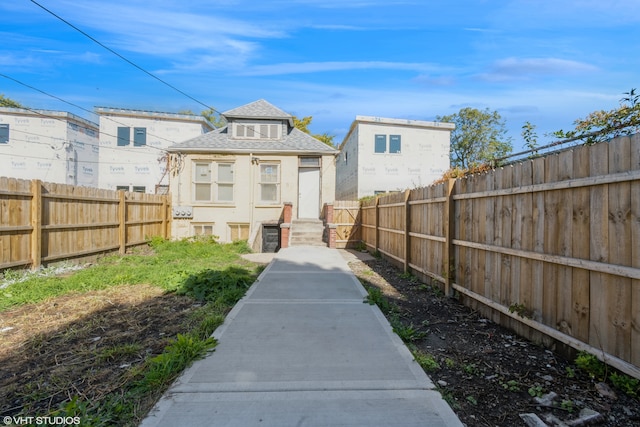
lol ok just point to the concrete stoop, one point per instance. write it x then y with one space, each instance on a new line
306 232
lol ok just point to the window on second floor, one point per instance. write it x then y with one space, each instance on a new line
4 133
381 144
395 144
257 130
139 137
124 136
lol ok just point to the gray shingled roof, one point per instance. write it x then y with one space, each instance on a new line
259 109
218 141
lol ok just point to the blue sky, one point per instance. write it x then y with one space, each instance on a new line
540 61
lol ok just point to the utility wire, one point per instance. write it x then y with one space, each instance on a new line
122 57
73 105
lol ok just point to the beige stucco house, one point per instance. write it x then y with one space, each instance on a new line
231 181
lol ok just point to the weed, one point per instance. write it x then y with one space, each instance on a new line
361 246
591 365
521 310
511 385
408 276
450 363
536 391
408 333
376 297
472 400
470 368
567 405
571 373
426 361
222 287
627 384
448 397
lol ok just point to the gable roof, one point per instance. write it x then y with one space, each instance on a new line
259 109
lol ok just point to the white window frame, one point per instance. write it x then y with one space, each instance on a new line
203 228
214 183
252 130
262 183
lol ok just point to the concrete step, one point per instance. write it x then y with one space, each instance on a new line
307 232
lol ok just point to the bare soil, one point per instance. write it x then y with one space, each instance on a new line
84 345
90 345
486 372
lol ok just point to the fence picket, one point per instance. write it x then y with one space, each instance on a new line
47 222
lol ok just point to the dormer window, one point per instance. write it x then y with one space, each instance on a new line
248 130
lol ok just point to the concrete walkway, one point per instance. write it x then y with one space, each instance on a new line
302 349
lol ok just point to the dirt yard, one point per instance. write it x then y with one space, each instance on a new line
488 374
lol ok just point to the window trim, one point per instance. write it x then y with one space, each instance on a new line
121 141
378 139
276 183
213 183
399 139
142 140
5 135
255 130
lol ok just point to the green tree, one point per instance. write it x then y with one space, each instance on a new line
530 137
214 117
303 125
211 115
479 137
603 125
7 102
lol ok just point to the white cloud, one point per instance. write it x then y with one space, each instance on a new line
317 67
526 68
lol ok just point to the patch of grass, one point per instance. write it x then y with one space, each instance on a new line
120 351
161 370
170 264
201 269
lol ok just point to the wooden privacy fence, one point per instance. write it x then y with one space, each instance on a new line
44 222
549 247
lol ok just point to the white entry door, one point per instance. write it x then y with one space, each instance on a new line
309 193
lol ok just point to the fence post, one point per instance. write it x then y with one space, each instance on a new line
122 217
449 229
165 217
376 224
36 223
407 228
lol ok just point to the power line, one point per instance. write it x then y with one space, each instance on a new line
73 105
93 39
122 57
